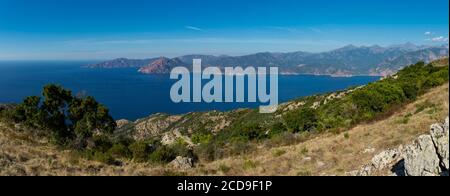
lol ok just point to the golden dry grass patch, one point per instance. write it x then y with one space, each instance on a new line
336 154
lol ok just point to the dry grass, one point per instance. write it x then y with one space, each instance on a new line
331 154
328 154
24 155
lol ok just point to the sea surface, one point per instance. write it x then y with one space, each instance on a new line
131 95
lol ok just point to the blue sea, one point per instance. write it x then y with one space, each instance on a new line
131 95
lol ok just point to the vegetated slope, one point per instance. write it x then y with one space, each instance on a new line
339 153
216 136
22 154
326 154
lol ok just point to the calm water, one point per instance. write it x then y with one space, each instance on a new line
131 95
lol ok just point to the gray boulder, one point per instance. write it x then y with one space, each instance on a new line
421 158
440 135
427 156
387 158
182 163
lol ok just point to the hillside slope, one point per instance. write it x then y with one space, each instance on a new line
349 60
326 154
339 153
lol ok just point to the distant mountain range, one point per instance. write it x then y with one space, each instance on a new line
347 61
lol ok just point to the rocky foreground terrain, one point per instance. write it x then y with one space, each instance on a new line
427 156
326 154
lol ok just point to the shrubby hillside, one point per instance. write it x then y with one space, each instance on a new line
199 141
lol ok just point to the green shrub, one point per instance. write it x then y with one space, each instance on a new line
276 129
283 139
105 158
210 151
304 120
278 152
249 164
304 151
163 155
201 138
101 143
423 106
346 135
240 148
224 168
119 151
141 151
66 118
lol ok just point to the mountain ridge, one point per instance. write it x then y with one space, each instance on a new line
346 61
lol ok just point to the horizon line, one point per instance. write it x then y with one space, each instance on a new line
240 55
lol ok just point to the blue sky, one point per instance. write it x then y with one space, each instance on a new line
105 29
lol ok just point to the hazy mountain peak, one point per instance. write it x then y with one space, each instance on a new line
161 65
406 46
351 60
349 47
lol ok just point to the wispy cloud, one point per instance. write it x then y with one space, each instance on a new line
288 29
193 28
432 38
206 40
316 30
440 39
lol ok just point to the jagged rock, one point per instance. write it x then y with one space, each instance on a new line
293 106
307 159
421 158
364 171
440 135
320 164
172 137
154 126
381 161
122 123
427 156
387 158
169 138
182 163
7 106
315 105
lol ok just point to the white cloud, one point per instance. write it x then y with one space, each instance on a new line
288 29
208 40
428 33
440 39
316 30
193 28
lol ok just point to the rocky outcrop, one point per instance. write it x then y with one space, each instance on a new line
440 135
421 158
379 162
122 123
154 126
161 66
427 156
346 61
172 128
182 163
122 63
7 106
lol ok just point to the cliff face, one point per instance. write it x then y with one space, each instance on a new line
122 63
427 156
161 66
